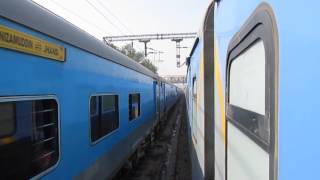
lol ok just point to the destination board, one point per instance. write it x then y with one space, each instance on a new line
22 42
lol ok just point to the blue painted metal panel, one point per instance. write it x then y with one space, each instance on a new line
73 82
298 91
298 73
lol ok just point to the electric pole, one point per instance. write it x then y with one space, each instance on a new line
177 40
145 41
146 38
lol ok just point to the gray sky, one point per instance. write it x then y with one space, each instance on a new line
119 17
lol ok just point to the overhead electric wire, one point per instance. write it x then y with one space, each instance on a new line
140 47
104 16
113 15
102 31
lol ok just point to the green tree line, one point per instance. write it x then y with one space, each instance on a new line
138 56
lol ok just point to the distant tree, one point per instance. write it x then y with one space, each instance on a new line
131 52
138 57
148 64
113 46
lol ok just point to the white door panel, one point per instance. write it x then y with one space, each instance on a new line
246 160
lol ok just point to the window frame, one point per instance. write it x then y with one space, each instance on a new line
241 121
35 98
92 143
140 112
260 25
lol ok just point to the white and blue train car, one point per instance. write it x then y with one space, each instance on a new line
252 91
70 107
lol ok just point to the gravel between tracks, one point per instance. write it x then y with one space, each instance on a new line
168 156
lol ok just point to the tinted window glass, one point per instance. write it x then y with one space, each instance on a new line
7 119
134 106
108 103
93 105
106 116
33 146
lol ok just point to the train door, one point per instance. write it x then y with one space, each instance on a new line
164 98
252 99
194 107
156 87
161 88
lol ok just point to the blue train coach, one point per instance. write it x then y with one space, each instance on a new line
252 91
70 107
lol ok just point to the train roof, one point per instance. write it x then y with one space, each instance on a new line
41 19
203 25
194 46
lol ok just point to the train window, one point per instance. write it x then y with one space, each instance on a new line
194 108
33 145
194 90
247 79
247 91
7 119
104 115
134 106
93 106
